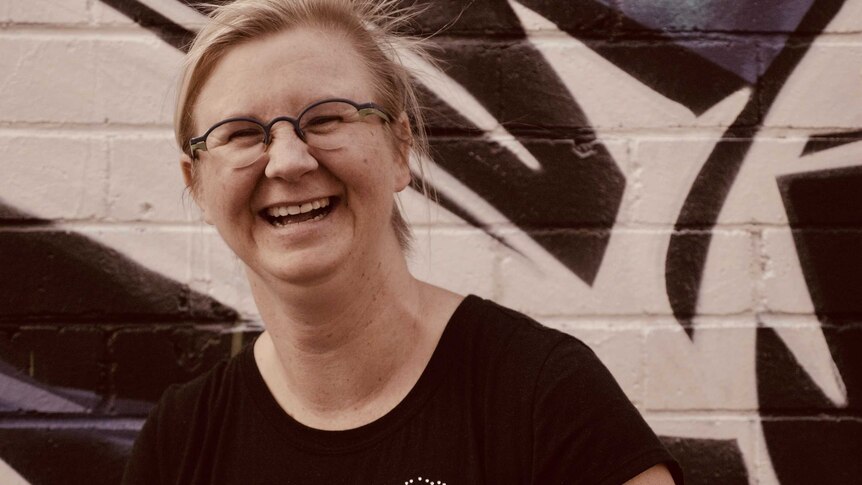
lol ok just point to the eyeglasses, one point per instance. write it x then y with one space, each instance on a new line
324 124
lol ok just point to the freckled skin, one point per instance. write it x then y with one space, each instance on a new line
266 78
348 329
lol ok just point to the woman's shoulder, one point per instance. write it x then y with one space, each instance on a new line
565 393
509 350
496 325
201 395
178 421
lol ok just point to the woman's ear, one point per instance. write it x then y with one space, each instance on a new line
403 143
187 167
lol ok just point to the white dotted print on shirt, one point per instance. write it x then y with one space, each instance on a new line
423 481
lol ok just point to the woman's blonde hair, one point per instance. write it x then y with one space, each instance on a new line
375 28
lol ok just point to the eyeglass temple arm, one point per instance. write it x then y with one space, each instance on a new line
368 110
198 145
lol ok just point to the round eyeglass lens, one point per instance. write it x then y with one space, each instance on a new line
327 125
237 142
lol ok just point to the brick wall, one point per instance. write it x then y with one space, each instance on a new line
678 184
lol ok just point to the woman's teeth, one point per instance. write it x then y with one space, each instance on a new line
292 210
284 215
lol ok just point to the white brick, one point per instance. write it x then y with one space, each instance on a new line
535 283
453 189
728 284
9 476
598 93
219 273
716 371
420 211
194 255
103 14
68 79
784 287
163 250
848 19
47 79
177 12
53 79
44 11
53 176
743 430
136 80
146 182
620 349
621 149
457 259
668 167
631 279
755 196
823 91
804 338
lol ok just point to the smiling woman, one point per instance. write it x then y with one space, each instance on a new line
297 125
320 146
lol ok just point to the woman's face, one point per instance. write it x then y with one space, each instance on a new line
279 75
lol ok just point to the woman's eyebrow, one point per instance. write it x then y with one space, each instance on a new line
292 112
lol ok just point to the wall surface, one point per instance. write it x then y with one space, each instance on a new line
679 184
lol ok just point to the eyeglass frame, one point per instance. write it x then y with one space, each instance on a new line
363 109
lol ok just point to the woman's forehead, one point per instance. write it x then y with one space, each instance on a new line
283 72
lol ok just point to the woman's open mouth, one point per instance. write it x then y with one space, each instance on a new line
285 215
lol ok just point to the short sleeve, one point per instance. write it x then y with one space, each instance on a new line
586 431
143 465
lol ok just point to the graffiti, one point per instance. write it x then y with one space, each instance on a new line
817 203
694 166
73 338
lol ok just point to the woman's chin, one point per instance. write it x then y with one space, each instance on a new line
306 267
304 253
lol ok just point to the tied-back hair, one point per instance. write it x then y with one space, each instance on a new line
375 28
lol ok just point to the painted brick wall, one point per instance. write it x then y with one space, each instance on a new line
679 184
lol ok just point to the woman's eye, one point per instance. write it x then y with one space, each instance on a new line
319 122
243 134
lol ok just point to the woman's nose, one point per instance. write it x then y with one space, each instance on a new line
289 157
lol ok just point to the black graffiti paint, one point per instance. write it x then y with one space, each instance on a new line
794 460
666 64
687 252
709 461
584 192
69 307
809 439
43 452
819 143
570 190
52 275
67 301
578 184
823 209
150 19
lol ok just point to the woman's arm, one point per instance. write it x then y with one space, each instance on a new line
657 475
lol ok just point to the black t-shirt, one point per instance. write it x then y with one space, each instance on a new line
502 400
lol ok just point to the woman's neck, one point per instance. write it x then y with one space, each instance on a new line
344 354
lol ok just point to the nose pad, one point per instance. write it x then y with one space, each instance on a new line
289 157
